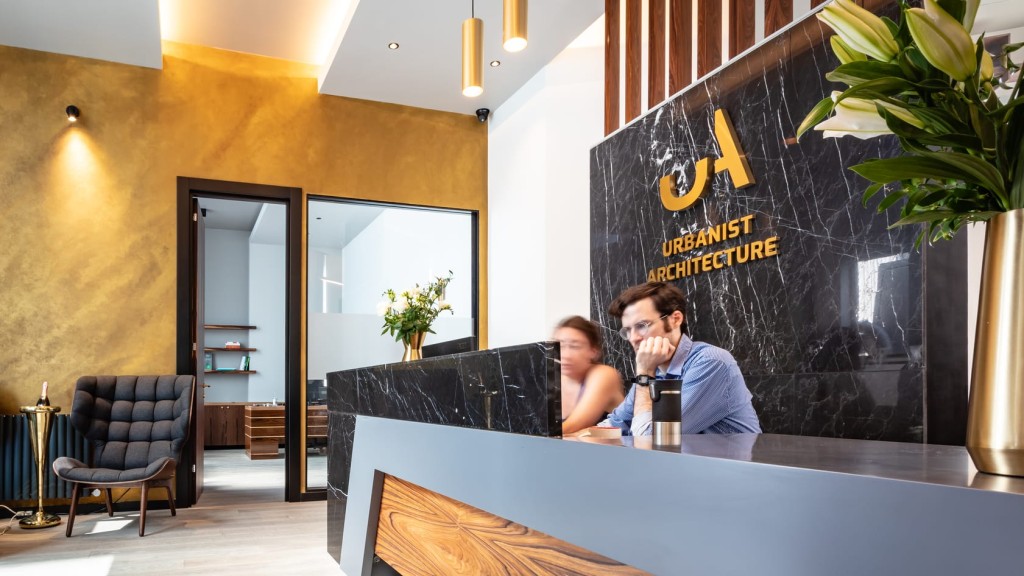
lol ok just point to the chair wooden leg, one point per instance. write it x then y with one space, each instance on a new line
76 491
110 506
142 509
170 497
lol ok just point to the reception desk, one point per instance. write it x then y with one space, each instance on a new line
513 389
711 504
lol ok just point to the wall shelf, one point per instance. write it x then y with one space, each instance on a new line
229 349
227 327
229 372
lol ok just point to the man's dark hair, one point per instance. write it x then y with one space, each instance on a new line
667 298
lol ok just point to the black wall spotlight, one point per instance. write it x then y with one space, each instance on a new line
73 113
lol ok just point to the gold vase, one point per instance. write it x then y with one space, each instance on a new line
413 346
995 417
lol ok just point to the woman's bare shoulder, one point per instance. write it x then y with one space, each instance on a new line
604 373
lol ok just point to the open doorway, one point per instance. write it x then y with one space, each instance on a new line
239 279
244 314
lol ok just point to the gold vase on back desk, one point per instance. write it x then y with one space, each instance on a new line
413 346
995 419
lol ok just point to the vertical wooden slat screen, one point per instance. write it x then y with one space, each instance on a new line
611 66
634 16
709 36
683 40
741 26
655 52
777 13
680 45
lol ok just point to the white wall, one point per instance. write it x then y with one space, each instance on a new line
267 311
226 272
343 341
226 301
538 183
400 248
403 247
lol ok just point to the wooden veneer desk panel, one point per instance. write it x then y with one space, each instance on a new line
737 504
265 428
264 431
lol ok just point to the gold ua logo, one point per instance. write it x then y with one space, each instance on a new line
733 161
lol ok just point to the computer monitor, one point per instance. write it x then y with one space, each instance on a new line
316 392
467 344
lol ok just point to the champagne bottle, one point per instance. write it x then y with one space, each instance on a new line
43 399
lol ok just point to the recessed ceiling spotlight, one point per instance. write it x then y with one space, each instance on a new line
393 46
495 63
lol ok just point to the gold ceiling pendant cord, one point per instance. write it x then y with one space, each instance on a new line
514 25
472 55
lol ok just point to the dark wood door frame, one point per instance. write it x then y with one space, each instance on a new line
187 357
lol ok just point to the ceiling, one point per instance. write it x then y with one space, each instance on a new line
331 224
347 39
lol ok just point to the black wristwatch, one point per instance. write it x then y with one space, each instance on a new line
643 380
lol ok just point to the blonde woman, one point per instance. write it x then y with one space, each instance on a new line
589 389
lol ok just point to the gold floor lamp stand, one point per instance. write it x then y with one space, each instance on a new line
40 422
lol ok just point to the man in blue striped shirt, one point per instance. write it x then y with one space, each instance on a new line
714 396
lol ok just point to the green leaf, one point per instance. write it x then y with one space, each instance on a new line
906 167
925 216
877 88
857 72
890 200
816 115
980 171
933 197
870 192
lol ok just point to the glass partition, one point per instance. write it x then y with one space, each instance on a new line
356 251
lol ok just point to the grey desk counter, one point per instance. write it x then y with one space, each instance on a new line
741 504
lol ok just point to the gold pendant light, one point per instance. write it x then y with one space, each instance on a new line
514 25
472 57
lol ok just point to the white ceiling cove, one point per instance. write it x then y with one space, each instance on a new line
347 39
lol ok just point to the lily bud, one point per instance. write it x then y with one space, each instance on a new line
987 67
860 29
942 40
970 12
843 51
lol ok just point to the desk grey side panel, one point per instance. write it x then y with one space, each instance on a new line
671 513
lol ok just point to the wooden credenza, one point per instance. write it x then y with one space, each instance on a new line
224 424
264 431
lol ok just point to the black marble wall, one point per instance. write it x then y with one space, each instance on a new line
513 389
819 357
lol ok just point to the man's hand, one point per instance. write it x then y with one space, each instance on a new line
650 354
653 352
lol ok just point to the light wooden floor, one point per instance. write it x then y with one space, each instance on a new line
241 525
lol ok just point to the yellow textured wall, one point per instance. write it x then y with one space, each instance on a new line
87 232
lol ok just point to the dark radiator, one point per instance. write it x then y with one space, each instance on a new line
18 467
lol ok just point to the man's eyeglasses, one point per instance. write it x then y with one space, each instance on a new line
641 328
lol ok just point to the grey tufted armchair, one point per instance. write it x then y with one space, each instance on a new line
137 426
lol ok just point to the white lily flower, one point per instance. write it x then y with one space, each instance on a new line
859 117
